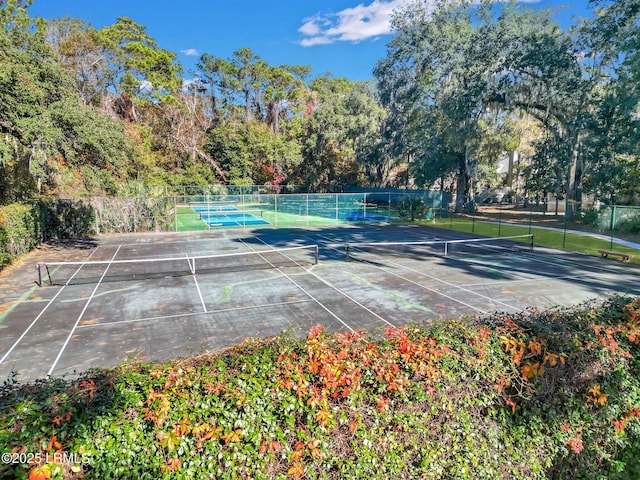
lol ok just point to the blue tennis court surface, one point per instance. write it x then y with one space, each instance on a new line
365 217
228 216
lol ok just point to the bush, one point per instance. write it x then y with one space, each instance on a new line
20 231
413 208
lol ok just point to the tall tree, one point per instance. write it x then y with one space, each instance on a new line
441 66
77 49
42 117
337 135
139 70
612 38
216 76
458 66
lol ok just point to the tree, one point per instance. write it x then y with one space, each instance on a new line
77 49
246 83
251 154
216 76
284 93
42 117
438 78
138 69
612 38
458 68
343 123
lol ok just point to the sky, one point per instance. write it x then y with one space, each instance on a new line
342 37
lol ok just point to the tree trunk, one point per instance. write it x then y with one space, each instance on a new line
462 187
247 104
513 157
574 183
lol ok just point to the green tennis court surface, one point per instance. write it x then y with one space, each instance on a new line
205 212
158 296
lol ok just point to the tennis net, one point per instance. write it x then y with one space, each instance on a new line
238 215
460 247
74 273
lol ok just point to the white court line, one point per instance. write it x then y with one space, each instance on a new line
195 280
438 279
518 280
31 325
193 314
35 320
593 271
204 307
305 291
491 299
426 287
544 258
55 362
339 291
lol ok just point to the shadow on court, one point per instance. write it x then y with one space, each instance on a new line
181 294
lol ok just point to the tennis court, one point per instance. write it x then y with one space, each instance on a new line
164 295
227 215
203 212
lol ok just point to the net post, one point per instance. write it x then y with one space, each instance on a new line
39 270
316 254
364 205
531 246
48 274
346 251
446 248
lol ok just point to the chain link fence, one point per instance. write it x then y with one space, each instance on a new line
25 226
615 224
199 212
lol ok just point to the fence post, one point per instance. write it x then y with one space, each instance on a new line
613 226
564 236
275 207
473 216
364 205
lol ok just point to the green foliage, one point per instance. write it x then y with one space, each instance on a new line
19 231
43 118
543 395
454 82
413 208
252 154
141 69
340 134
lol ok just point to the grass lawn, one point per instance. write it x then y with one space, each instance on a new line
541 237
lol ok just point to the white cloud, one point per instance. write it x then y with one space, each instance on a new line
349 25
356 23
190 52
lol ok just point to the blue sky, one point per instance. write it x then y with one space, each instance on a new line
344 37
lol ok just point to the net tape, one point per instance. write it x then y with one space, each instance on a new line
484 246
73 273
